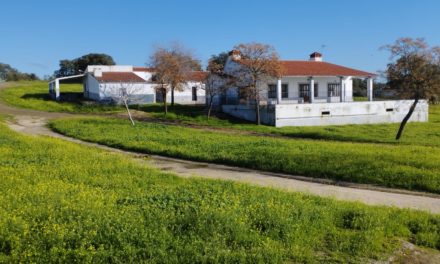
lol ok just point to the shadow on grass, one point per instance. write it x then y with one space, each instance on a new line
191 113
66 96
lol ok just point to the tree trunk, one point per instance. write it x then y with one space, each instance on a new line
407 117
172 96
128 111
210 107
164 96
257 111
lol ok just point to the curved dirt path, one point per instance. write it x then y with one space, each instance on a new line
34 123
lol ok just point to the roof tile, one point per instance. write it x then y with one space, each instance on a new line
119 77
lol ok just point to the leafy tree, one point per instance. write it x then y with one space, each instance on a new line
79 65
9 74
259 63
414 72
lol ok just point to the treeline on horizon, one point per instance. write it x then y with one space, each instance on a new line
10 74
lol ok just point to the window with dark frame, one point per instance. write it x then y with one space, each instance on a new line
284 91
194 93
334 89
272 92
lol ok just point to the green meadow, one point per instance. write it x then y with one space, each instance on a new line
63 202
409 167
35 95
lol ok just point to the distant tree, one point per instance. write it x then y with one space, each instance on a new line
414 71
79 65
9 74
216 82
217 62
359 87
180 62
259 63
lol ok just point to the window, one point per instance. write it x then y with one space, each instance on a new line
272 93
194 93
315 90
284 91
334 89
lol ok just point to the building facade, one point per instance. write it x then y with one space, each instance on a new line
314 92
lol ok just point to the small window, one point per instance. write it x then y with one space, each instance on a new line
284 91
194 93
325 112
334 89
315 90
272 93
390 109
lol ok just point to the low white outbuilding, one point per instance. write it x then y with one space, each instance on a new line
106 83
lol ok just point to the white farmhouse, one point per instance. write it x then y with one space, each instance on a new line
105 83
314 93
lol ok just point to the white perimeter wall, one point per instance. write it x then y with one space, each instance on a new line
322 114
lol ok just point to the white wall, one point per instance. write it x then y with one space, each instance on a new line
142 92
109 68
348 113
185 96
92 88
144 75
322 114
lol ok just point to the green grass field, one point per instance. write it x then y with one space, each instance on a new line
62 202
425 134
35 95
408 167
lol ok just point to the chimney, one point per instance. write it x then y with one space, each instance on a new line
235 54
315 56
97 72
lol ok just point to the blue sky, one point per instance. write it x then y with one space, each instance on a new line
35 35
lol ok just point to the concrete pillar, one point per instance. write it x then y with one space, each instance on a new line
279 91
57 89
342 91
370 89
312 89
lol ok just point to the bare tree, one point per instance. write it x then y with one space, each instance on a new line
124 93
414 71
216 82
259 63
179 61
164 66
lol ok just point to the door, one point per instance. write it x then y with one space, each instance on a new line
304 92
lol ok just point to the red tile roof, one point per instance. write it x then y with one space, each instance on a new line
198 76
143 69
319 68
119 77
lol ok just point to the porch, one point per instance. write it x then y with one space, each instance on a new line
326 89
